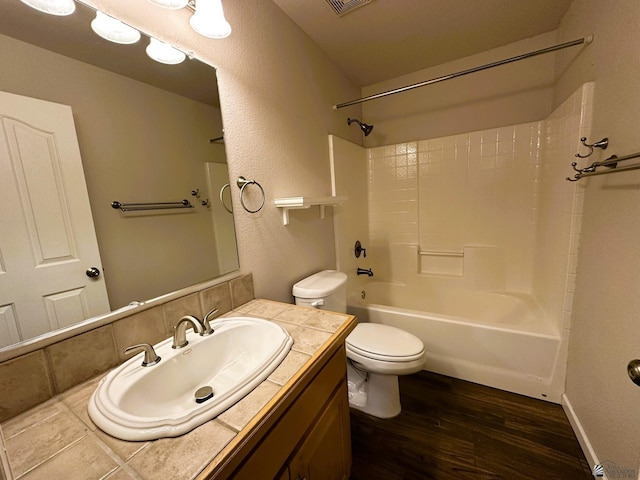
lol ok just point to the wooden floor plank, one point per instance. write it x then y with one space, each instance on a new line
451 429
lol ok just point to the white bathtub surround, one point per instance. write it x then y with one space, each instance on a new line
480 231
559 205
350 219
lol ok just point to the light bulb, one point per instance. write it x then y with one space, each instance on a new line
52 7
208 20
171 4
114 30
163 53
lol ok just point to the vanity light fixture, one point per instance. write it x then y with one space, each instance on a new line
208 19
52 7
114 30
163 53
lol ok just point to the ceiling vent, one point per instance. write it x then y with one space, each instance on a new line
342 7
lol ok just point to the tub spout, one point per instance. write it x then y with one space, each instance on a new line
363 271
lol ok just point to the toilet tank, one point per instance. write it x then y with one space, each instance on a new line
326 290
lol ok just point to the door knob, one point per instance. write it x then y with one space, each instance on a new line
633 369
93 272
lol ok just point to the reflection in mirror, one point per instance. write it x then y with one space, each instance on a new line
142 131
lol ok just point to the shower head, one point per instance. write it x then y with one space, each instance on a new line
366 129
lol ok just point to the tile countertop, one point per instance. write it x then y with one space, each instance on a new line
57 439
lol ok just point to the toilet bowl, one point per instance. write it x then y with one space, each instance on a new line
376 353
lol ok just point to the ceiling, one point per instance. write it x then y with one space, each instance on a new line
388 38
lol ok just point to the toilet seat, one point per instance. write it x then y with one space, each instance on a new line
385 350
383 367
384 343
385 358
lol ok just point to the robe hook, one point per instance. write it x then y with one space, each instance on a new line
601 144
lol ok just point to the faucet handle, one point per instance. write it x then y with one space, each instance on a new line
357 250
150 356
205 322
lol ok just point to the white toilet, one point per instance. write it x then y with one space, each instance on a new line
376 353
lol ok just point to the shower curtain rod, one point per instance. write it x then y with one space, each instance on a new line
588 39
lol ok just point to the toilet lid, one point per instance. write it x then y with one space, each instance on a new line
319 284
382 342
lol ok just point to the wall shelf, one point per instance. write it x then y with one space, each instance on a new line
297 203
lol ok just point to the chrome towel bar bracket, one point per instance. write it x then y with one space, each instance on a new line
610 163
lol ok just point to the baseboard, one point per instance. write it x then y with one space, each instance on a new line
581 435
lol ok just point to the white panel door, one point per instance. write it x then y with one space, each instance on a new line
47 236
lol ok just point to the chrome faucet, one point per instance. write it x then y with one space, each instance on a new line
362 271
180 330
150 356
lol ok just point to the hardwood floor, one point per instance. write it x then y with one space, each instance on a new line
451 429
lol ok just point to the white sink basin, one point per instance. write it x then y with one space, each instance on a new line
145 403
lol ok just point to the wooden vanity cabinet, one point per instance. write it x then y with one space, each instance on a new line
325 453
307 436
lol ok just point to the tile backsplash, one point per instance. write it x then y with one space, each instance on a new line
35 377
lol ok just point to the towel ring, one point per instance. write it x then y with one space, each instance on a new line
242 184
226 185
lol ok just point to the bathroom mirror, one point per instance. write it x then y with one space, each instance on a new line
145 132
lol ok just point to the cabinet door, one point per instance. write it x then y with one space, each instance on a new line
325 453
284 474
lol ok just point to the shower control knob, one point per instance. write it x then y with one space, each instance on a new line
93 272
633 369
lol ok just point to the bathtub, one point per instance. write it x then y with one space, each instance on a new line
497 339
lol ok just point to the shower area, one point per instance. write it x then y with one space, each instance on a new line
473 242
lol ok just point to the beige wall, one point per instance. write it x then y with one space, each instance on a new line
138 144
606 325
277 89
